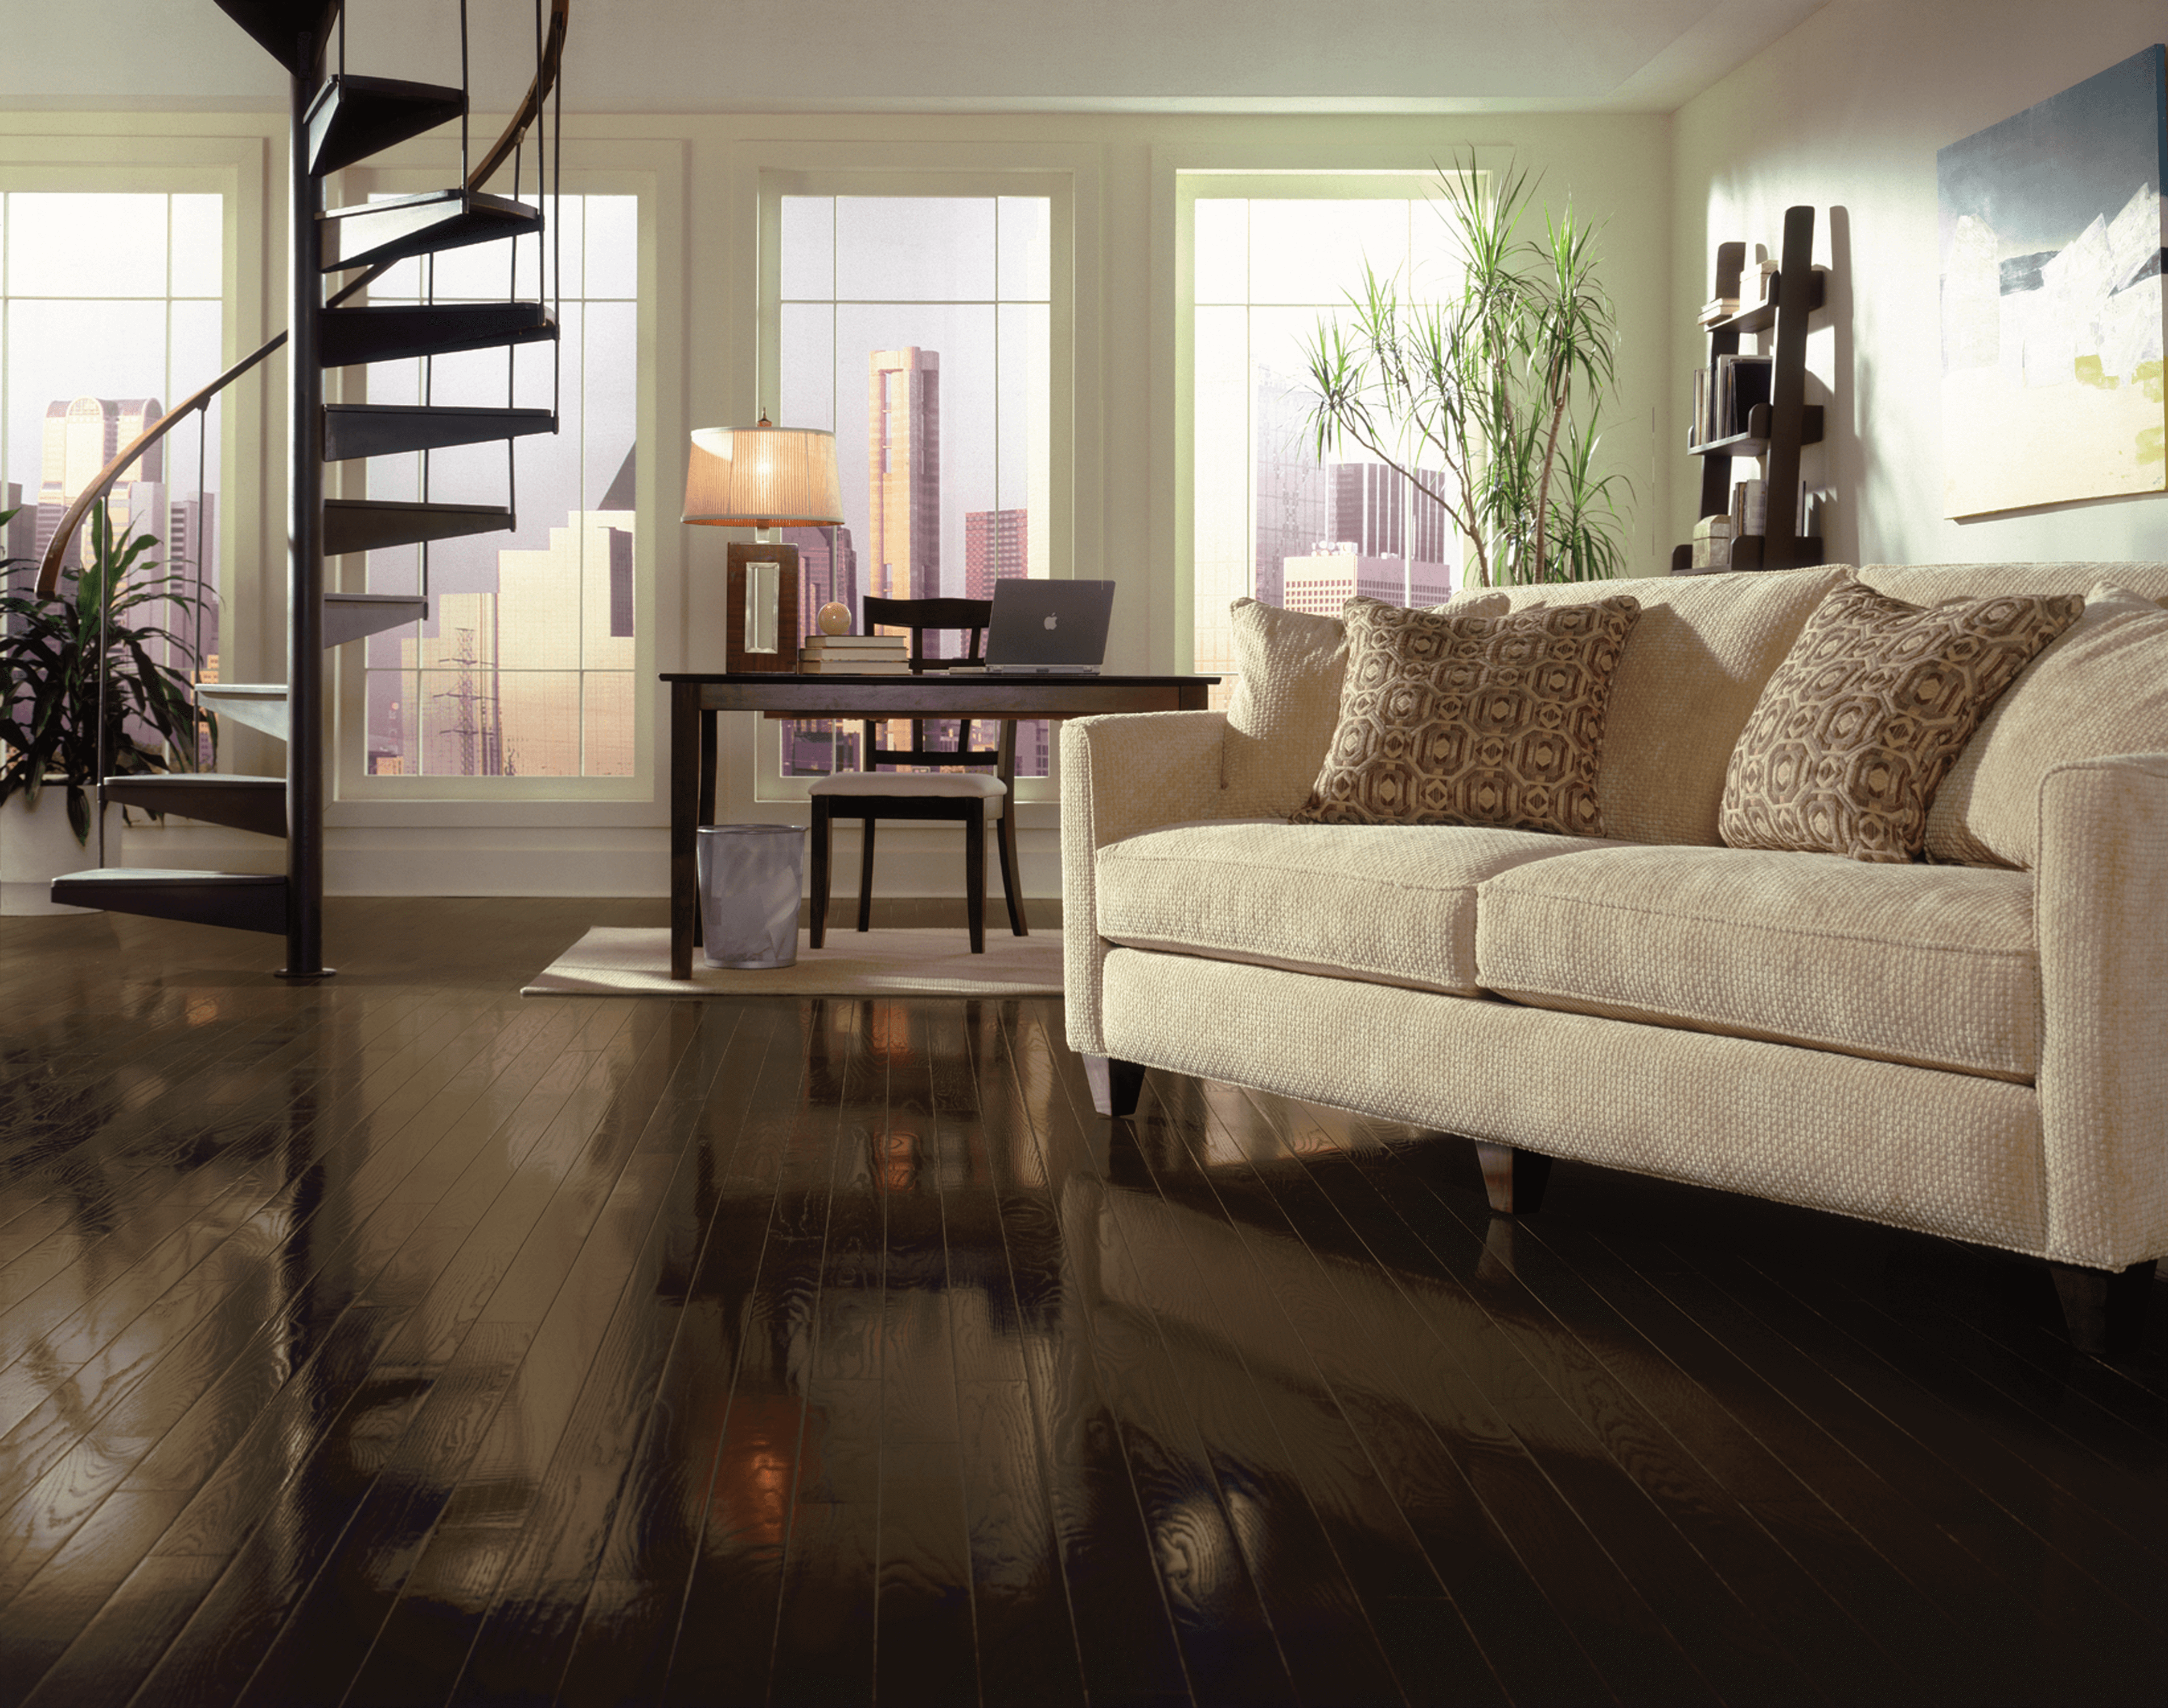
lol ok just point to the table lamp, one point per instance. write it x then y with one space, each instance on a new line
763 478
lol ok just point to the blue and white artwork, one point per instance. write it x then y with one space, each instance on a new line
2052 307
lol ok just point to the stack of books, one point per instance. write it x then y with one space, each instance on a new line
1718 309
855 655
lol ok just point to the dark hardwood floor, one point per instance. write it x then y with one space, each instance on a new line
396 1339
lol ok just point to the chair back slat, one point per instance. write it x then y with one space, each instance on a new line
922 617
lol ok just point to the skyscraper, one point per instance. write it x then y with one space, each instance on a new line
996 548
827 570
1292 494
81 435
903 424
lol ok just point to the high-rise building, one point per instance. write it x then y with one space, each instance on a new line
1293 495
534 680
1378 514
82 436
996 548
903 426
827 571
1322 581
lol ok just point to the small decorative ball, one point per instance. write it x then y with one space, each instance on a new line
834 619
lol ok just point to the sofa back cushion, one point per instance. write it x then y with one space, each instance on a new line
1288 665
2102 688
1459 720
1853 734
1687 683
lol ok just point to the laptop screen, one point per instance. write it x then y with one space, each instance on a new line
1048 625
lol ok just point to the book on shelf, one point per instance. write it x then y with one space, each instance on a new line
1697 423
1718 309
1750 507
1740 382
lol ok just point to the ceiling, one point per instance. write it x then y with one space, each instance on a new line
966 56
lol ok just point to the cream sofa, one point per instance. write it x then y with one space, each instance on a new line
1966 1050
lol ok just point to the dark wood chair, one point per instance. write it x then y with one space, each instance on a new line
970 796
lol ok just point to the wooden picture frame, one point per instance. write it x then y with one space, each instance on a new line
743 557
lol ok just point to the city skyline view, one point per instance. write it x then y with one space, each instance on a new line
1272 519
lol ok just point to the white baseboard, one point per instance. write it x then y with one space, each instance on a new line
915 861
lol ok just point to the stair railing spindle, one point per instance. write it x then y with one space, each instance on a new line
195 704
466 93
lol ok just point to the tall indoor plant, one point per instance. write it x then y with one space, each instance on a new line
54 707
1503 383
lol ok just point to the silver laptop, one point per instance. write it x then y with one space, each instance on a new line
1048 628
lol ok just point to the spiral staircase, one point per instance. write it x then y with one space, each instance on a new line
339 119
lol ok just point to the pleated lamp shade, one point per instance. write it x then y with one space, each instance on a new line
763 476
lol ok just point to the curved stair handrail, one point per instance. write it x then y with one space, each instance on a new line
538 92
49 571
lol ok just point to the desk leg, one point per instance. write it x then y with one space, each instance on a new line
685 721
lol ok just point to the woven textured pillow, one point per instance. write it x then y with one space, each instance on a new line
2100 689
1868 712
1446 719
1288 669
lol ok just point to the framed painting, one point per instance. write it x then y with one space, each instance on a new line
2052 298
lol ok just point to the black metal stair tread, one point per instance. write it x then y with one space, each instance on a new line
400 227
150 877
243 901
246 803
387 429
352 617
354 117
184 779
368 524
278 26
346 336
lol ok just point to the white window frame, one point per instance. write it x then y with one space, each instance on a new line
1068 177
236 169
1178 181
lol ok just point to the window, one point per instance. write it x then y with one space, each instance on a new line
1266 259
526 665
920 328
112 310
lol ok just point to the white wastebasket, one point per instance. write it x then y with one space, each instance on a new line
751 878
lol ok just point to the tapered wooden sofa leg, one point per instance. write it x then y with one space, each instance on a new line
1514 1178
1116 1085
2105 1307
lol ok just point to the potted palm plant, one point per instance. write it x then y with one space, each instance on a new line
1503 384
64 722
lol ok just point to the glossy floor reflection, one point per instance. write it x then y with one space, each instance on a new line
397 1341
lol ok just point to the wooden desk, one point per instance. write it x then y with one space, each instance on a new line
695 698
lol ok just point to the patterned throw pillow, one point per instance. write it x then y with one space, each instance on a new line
1448 719
1872 706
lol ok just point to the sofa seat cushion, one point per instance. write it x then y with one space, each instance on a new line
1395 903
1934 966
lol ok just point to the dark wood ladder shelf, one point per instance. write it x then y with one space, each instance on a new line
1775 430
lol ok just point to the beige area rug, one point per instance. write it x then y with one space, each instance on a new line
634 961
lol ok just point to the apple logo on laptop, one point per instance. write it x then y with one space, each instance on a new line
1052 620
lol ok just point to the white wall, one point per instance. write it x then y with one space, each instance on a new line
1846 113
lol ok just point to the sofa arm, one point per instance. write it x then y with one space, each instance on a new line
1121 775
2100 907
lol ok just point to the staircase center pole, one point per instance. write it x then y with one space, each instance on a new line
304 569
